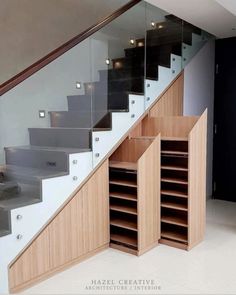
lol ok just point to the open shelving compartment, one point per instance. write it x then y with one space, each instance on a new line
134 189
183 176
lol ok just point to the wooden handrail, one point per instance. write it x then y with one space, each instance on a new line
17 79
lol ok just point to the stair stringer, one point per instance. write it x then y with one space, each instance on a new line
55 191
166 76
188 51
104 141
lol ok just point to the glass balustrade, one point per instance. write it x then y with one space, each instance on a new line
54 113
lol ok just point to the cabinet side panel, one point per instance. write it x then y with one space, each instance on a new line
149 196
79 229
197 181
171 102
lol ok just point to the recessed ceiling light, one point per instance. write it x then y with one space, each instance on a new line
153 24
78 85
160 26
107 61
132 41
42 114
118 65
140 44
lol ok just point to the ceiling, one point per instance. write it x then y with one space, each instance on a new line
217 17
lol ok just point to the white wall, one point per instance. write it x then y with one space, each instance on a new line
199 95
48 90
30 29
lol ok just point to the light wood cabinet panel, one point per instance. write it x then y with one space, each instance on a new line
80 229
149 196
135 195
171 102
197 181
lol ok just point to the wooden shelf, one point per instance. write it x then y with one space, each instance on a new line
174 220
144 137
174 193
123 182
173 205
174 180
178 153
167 138
174 236
176 168
125 209
123 165
123 196
124 239
120 222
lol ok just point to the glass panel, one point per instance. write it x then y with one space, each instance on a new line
52 114
193 40
163 47
118 56
42 120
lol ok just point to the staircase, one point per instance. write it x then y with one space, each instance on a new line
38 178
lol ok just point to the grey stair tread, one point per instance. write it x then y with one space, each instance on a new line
31 172
4 232
51 149
80 119
18 201
102 129
61 137
118 110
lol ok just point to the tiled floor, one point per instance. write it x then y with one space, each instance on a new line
210 268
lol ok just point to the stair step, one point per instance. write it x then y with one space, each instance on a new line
39 157
121 84
76 119
116 101
79 102
5 223
29 175
174 19
61 137
114 74
18 202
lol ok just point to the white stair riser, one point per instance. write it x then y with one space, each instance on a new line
104 141
55 191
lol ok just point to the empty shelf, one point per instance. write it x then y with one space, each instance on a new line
123 165
128 224
174 138
124 209
174 193
173 180
123 196
124 239
174 220
178 153
123 182
176 168
174 236
173 205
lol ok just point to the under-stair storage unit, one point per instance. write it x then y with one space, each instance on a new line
183 177
134 178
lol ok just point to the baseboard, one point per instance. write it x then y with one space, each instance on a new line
51 273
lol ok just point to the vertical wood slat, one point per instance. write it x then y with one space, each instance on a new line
197 182
171 102
79 229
